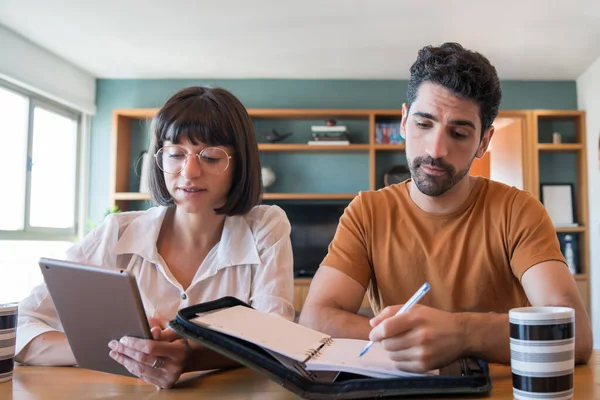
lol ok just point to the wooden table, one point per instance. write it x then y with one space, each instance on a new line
32 383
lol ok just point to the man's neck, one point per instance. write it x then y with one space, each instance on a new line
446 203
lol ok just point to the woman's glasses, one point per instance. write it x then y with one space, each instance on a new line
172 159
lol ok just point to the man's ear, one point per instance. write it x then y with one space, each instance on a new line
485 142
403 121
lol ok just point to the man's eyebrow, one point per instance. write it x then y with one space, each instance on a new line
457 122
462 122
425 115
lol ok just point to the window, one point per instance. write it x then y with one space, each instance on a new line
38 167
39 175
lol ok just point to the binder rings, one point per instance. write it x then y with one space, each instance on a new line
315 366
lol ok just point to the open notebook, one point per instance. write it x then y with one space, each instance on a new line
298 347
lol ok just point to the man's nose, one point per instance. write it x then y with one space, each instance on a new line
437 146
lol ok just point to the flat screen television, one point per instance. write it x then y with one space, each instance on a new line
313 228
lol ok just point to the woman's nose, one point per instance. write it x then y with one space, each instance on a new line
191 168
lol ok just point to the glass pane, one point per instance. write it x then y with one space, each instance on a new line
14 111
54 170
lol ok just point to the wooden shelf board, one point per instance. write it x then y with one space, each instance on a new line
581 277
570 229
558 114
390 147
282 113
131 196
559 147
137 113
311 148
319 113
308 196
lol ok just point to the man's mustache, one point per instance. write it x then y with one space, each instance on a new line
433 162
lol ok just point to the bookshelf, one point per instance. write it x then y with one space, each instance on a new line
123 144
564 162
538 152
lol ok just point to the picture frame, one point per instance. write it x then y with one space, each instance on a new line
559 201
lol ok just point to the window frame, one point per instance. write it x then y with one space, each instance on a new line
42 233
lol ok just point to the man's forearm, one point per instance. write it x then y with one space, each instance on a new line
486 336
335 322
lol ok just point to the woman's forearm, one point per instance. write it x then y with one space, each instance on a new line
48 349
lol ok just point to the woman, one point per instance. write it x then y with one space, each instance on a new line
206 239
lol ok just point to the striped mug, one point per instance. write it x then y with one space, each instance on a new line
8 334
542 352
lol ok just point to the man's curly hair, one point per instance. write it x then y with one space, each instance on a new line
466 73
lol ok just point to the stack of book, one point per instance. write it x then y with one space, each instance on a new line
329 135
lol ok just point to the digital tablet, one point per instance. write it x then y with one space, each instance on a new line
95 305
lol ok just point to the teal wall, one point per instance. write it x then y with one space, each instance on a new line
276 93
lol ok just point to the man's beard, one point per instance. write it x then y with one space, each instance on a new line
431 185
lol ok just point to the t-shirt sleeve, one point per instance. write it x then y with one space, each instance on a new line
349 250
532 236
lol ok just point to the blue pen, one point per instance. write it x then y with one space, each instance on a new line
411 302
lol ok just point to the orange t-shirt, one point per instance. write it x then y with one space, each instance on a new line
473 258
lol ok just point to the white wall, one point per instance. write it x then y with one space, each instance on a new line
34 68
588 99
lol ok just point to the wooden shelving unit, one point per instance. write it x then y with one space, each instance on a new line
571 125
533 149
122 146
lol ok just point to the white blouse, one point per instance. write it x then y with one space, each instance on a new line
252 261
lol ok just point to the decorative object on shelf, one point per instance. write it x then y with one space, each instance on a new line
556 138
276 137
396 174
559 200
569 254
268 176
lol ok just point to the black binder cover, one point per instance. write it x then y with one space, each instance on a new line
465 377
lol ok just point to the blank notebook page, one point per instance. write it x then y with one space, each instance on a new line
269 331
343 355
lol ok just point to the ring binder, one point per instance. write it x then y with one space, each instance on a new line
320 384
314 354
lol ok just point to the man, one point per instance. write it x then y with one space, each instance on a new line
483 246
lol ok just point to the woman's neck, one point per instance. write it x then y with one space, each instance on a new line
192 231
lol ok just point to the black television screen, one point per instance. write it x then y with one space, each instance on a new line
313 228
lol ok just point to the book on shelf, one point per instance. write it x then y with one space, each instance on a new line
388 133
325 128
329 138
329 142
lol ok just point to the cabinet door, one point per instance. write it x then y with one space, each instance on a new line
301 287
